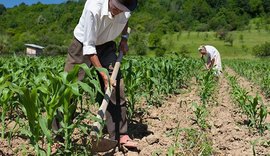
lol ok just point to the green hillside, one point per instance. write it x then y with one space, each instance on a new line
158 26
242 46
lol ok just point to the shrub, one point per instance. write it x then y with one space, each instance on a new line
229 39
154 40
184 51
160 51
138 43
221 34
262 50
202 27
4 42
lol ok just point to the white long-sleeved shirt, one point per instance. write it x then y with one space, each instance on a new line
97 25
213 53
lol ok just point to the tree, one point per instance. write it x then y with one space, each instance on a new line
2 9
199 9
256 7
266 6
216 4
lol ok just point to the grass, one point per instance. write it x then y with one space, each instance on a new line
194 142
243 42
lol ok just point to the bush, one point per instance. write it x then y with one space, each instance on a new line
138 43
160 51
229 39
262 50
202 27
141 49
221 34
184 51
154 40
4 44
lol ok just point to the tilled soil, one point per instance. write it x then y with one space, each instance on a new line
230 134
228 131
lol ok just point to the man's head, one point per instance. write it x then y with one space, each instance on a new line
118 6
129 4
202 50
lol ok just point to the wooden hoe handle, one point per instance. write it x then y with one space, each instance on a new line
102 109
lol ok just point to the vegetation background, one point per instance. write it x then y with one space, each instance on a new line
238 28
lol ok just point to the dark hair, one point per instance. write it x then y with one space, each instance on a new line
130 4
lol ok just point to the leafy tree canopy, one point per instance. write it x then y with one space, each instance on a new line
52 25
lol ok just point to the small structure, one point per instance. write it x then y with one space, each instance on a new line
33 50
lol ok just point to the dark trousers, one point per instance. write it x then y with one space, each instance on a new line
116 114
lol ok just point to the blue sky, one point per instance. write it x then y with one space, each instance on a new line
11 3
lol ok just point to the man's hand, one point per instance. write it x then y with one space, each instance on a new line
202 56
95 61
106 80
207 66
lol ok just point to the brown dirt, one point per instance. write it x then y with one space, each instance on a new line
228 132
18 144
151 129
175 113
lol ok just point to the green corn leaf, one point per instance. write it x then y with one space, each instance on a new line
154 80
42 153
104 70
26 132
43 124
73 74
74 88
83 129
86 87
43 89
86 69
96 84
5 85
64 77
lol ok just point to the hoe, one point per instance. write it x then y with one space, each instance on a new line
104 144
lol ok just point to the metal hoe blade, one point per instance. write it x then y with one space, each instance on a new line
103 145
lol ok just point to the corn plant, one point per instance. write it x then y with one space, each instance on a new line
132 80
200 114
64 94
41 89
208 84
256 112
29 99
153 78
38 89
4 96
8 99
253 107
255 71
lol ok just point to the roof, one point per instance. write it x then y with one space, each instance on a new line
34 46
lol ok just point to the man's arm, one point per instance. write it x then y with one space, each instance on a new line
123 46
211 63
125 30
96 63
